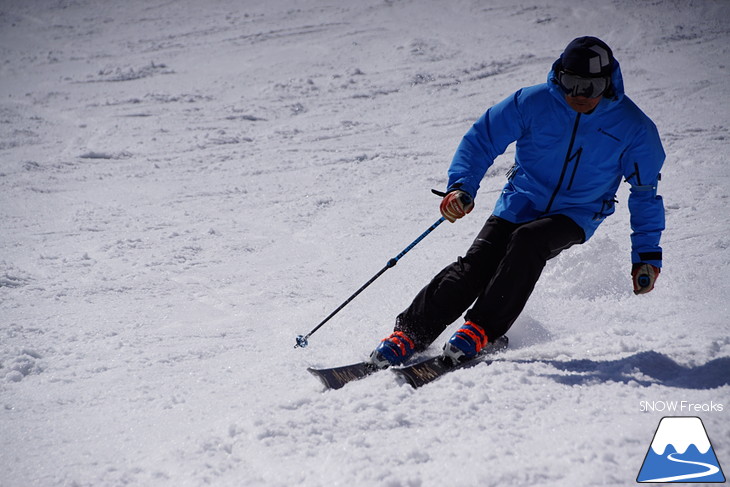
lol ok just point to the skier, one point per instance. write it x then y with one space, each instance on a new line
576 137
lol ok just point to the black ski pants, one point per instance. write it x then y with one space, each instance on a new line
496 277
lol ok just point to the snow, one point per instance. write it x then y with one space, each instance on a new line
186 186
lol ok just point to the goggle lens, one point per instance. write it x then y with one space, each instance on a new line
575 85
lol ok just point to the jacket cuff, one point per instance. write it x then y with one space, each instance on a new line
653 258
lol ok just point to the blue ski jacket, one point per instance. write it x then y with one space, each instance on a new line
569 163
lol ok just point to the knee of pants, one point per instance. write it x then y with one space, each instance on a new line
527 239
464 271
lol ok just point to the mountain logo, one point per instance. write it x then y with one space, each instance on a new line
680 452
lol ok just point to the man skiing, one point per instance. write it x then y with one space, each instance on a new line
577 136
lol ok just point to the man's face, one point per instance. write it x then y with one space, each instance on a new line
582 104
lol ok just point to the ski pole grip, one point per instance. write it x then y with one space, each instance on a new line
465 198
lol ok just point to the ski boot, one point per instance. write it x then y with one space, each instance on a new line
465 344
393 350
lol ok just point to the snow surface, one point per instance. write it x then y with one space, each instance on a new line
186 186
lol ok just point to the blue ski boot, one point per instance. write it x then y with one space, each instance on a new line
394 350
466 343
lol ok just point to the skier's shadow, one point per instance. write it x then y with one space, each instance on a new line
643 368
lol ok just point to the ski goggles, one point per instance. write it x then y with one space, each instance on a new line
575 85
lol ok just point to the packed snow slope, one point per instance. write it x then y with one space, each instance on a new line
186 186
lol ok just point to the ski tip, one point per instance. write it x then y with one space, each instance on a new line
337 377
324 378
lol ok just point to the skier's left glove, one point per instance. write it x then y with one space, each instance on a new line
456 204
644 276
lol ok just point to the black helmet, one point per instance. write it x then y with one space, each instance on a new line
587 56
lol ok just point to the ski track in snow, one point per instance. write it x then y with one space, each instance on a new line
185 187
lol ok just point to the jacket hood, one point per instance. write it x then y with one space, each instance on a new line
615 94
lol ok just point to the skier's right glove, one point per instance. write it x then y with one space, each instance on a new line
456 204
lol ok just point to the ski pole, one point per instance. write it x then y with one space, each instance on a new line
302 340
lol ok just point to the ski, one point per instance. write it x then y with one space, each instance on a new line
430 369
337 377
416 375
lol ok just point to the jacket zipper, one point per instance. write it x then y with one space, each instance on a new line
568 158
575 168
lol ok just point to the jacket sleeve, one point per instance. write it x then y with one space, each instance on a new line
486 139
642 163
